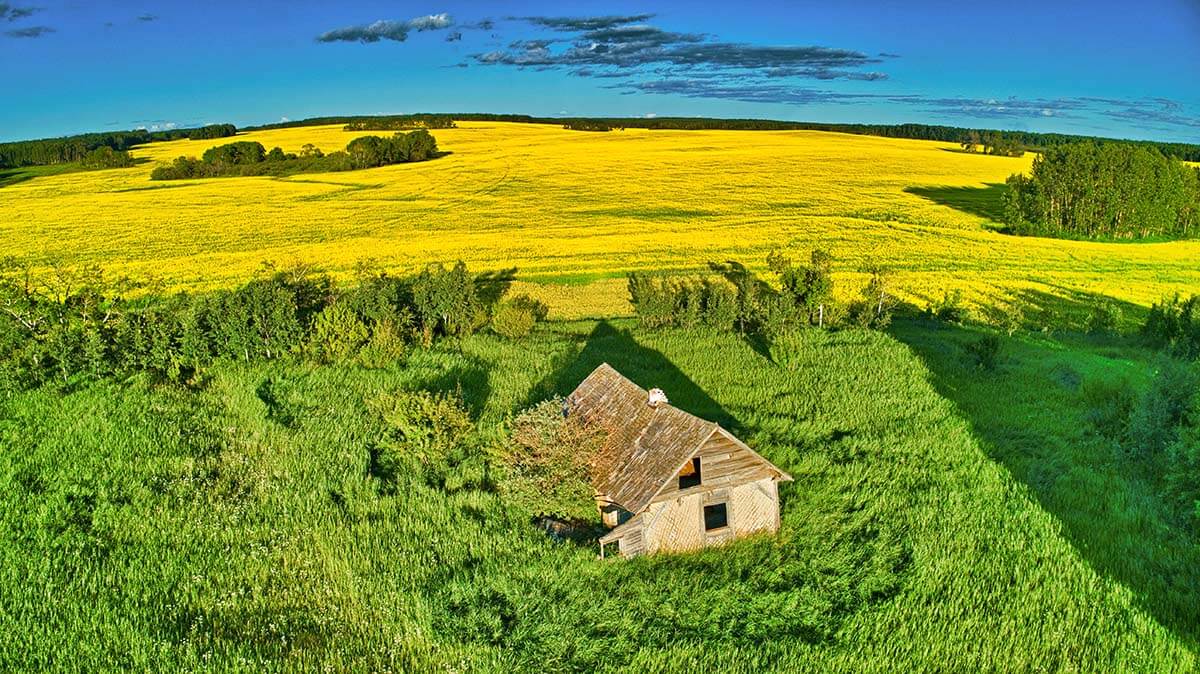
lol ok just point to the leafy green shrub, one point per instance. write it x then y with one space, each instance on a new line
949 309
548 459
1109 404
720 305
1174 323
446 301
256 321
874 309
385 347
337 334
513 320
1104 317
653 300
538 308
685 303
985 352
1183 468
1156 419
424 433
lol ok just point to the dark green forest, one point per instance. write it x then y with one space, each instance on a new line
248 158
400 123
77 148
1111 191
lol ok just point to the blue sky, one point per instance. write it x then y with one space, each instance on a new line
1094 67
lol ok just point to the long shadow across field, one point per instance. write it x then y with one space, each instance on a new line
985 202
1030 415
645 366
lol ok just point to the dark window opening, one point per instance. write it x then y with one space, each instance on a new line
715 517
690 475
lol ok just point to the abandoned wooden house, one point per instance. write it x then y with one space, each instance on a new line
667 480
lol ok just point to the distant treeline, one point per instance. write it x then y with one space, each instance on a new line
588 125
1024 140
400 123
76 148
1105 191
247 158
73 325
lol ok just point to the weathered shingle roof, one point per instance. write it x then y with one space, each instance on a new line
646 445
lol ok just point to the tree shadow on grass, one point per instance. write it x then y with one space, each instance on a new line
741 277
492 286
1063 309
1030 415
467 380
643 365
985 202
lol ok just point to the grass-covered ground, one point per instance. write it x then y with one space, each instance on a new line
940 520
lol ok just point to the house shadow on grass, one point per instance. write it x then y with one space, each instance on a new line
985 202
1031 416
642 364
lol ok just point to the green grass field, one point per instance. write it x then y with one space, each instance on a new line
940 520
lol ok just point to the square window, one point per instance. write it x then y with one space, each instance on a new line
715 516
690 475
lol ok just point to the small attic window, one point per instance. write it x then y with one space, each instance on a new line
690 475
715 516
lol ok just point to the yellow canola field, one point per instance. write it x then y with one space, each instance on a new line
572 211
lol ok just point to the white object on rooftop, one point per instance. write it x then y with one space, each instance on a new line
656 398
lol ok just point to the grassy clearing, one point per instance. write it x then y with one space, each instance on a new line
562 206
1033 416
239 527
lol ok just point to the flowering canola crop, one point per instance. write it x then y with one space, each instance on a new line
572 211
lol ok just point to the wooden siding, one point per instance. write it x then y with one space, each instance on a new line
677 524
673 525
754 507
723 463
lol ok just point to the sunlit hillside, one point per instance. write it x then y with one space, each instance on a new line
572 211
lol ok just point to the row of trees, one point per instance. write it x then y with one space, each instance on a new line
246 158
1105 191
588 125
80 324
105 157
400 123
78 148
995 143
802 295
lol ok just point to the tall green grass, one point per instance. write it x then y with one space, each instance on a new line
238 527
